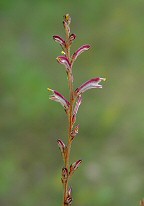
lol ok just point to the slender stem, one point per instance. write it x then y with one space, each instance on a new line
70 126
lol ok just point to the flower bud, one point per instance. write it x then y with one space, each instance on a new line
74 132
68 200
64 174
59 40
61 146
67 19
72 38
74 166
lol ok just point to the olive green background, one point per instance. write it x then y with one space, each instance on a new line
111 136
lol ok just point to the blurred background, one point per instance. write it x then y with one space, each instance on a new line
111 136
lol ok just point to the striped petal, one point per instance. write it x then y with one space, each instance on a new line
59 40
79 51
74 166
64 60
61 145
66 27
90 84
74 132
57 97
78 103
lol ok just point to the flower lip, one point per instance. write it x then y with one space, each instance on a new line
57 97
90 84
79 51
64 60
58 39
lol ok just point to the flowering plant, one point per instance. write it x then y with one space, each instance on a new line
72 105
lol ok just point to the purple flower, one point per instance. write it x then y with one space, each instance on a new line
79 51
57 97
59 40
64 60
90 84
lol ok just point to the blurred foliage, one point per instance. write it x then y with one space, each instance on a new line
111 137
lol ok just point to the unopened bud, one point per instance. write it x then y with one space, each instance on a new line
72 38
70 191
74 132
68 200
67 18
61 145
74 166
64 174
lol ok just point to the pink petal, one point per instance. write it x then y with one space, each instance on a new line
64 60
70 191
66 27
74 132
59 40
61 145
78 103
90 84
57 97
75 165
79 51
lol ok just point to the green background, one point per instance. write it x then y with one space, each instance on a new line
111 136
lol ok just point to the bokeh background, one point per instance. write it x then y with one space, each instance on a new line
111 136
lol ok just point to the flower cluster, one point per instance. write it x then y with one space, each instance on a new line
72 105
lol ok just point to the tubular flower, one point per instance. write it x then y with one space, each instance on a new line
64 60
90 84
78 103
59 40
57 97
79 51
